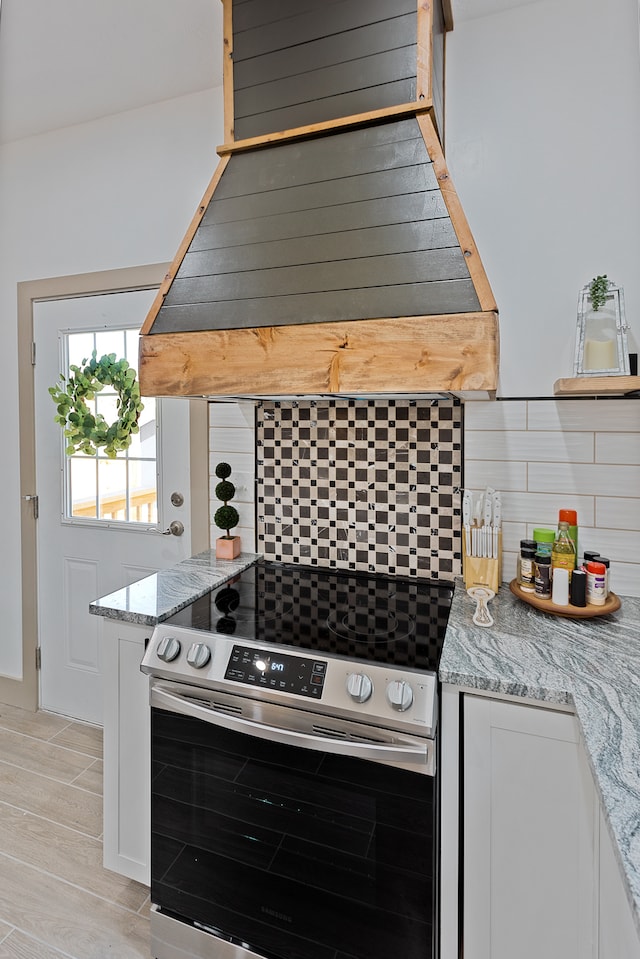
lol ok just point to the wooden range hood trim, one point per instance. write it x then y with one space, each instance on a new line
457 215
165 286
425 354
414 108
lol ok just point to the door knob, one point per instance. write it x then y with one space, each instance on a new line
176 528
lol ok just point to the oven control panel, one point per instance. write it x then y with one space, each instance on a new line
378 694
266 669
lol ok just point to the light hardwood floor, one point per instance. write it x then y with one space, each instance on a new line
56 900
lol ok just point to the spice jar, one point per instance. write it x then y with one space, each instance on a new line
606 563
544 540
596 583
527 569
589 555
543 576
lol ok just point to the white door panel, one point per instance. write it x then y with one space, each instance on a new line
80 559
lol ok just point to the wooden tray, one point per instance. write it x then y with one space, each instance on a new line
573 612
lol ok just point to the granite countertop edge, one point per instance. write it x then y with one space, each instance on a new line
154 598
590 665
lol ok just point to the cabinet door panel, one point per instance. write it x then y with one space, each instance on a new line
529 876
127 752
618 935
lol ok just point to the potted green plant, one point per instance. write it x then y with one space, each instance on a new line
598 292
226 517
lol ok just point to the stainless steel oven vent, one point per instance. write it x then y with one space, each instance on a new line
333 733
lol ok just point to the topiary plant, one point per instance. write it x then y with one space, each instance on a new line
598 291
226 517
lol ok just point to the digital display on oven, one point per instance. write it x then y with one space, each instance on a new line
268 670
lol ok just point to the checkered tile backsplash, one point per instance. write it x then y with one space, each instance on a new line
368 485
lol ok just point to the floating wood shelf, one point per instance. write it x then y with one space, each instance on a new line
596 385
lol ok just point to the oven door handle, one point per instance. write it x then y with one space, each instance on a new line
412 751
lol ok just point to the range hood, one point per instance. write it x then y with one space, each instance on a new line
330 253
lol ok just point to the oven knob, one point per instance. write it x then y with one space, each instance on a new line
168 649
359 687
199 655
399 695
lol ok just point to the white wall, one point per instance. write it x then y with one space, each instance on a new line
543 143
114 193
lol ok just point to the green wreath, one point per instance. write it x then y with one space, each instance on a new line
86 432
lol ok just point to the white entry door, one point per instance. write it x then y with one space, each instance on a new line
100 520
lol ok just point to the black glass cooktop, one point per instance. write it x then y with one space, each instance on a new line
366 616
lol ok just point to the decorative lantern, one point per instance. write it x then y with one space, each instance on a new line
601 336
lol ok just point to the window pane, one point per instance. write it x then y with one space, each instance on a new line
110 341
132 337
80 348
83 486
124 489
107 404
112 489
143 443
142 491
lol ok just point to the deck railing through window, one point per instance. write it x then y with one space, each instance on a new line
142 507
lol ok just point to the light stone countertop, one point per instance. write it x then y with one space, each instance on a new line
153 599
591 665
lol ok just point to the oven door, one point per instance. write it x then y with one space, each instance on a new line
286 834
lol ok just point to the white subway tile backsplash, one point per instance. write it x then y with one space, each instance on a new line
495 416
512 533
541 509
500 474
619 545
513 445
593 415
509 565
236 415
578 454
231 439
239 462
243 482
618 513
625 579
618 448
597 479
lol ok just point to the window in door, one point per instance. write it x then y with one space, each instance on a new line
98 489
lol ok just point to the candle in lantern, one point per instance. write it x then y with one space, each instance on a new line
600 354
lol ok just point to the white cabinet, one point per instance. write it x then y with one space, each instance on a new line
618 936
529 834
127 768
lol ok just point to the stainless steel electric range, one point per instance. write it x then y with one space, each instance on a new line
294 767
